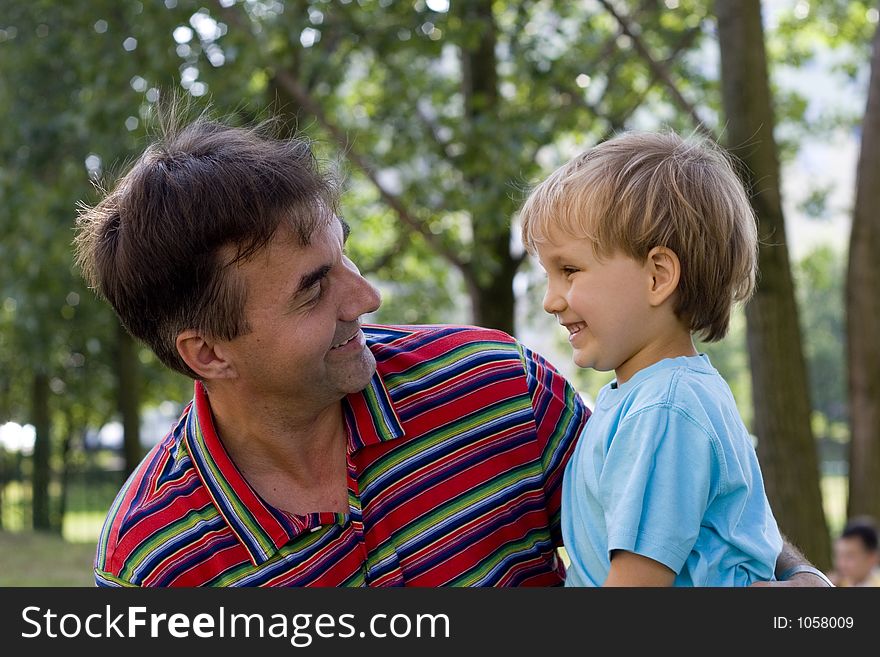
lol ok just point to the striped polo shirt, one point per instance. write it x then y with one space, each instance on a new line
456 452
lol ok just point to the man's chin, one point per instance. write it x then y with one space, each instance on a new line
357 375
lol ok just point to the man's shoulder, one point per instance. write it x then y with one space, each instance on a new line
413 359
154 497
429 342
411 335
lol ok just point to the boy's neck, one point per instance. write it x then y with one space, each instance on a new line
674 345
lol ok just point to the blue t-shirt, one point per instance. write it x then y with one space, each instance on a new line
666 469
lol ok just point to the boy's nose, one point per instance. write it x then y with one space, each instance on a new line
553 303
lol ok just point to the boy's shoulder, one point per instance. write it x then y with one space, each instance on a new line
688 386
683 381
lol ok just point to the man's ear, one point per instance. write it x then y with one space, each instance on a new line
664 268
203 356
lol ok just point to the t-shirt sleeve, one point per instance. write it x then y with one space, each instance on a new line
560 415
656 484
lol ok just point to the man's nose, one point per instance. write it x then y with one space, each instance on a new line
360 296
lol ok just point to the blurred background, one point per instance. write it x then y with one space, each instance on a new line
440 114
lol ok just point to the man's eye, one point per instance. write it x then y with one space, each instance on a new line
317 291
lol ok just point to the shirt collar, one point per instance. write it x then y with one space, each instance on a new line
261 528
370 416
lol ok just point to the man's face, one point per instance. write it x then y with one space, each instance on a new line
852 560
303 307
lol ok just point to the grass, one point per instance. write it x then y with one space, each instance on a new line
40 559
87 507
83 526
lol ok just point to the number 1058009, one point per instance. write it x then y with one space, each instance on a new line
813 622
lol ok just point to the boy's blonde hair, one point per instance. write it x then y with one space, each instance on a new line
642 190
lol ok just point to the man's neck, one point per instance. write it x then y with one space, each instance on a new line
294 457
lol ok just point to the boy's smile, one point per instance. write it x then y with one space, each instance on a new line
574 329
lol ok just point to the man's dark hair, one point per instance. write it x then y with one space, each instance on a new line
863 529
159 246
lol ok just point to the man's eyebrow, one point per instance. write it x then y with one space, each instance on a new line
308 280
346 230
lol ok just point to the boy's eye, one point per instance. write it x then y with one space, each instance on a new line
568 271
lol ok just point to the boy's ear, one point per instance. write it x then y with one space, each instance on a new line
664 268
204 357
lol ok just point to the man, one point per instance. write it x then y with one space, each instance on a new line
316 451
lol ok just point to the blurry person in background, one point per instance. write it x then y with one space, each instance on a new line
855 554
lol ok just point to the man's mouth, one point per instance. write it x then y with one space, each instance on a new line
346 341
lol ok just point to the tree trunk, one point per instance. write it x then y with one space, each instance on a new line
863 312
5 465
5 478
67 448
493 304
492 267
42 451
128 380
786 447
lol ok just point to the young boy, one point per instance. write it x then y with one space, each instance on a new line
647 240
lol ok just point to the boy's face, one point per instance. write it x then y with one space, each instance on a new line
852 560
602 302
